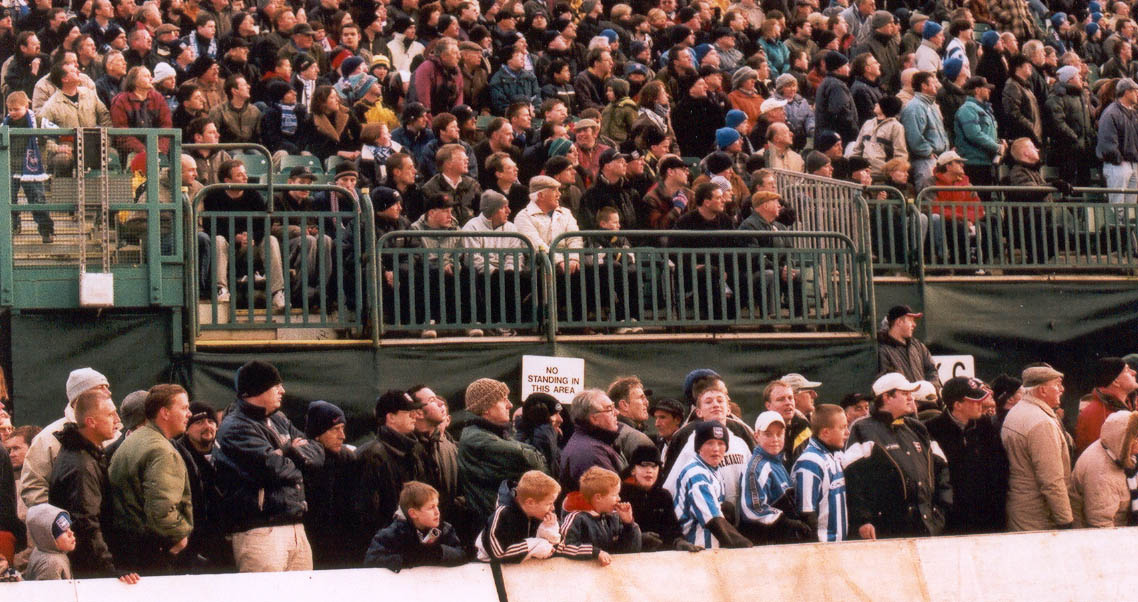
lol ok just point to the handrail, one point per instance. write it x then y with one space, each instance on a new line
260 148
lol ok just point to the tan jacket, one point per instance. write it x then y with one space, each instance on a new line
1099 495
1039 452
60 112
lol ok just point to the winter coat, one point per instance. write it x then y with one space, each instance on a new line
237 125
1021 109
834 109
39 460
506 87
800 118
654 510
585 533
440 459
1014 16
617 119
879 141
399 546
927 57
1069 121
778 56
865 94
46 562
887 50
259 470
127 111
79 485
60 112
924 128
1117 135
950 98
486 457
619 195
465 197
978 472
544 439
1039 455
1093 411
901 487
437 86
974 130
956 204
1100 496
385 464
328 491
912 359
588 447
150 491
697 141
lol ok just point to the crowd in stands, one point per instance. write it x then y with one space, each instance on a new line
162 485
537 116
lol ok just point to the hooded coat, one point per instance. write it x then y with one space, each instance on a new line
46 562
1099 494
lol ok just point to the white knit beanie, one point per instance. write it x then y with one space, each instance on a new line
82 380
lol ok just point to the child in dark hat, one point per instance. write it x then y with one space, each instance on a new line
652 505
418 536
540 426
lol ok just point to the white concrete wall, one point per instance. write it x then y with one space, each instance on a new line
1065 565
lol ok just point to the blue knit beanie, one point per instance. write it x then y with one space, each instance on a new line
725 137
931 29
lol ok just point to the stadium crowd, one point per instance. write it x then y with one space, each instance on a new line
544 118
161 485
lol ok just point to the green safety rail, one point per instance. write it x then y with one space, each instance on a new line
326 276
1029 236
144 232
813 279
895 230
439 281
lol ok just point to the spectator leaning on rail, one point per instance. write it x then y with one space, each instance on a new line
1039 452
259 459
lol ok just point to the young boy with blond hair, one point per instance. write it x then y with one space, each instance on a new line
418 536
598 523
524 524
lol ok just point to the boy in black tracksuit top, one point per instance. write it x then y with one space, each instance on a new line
598 523
417 536
523 526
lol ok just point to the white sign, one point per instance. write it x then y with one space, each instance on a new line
951 366
561 377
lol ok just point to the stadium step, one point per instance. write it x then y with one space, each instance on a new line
262 331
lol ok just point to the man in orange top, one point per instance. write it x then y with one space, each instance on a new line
1114 381
961 211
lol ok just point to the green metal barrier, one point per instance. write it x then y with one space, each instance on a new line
239 146
894 230
439 281
825 283
324 256
124 226
1024 235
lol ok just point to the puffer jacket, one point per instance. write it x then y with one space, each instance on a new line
1099 494
617 119
912 359
487 456
924 128
507 86
1069 121
258 468
974 130
399 546
79 485
1039 454
150 491
778 56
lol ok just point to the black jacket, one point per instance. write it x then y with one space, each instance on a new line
978 471
506 532
207 539
911 359
696 141
328 489
398 546
865 95
620 196
78 484
901 487
654 511
385 464
258 468
834 109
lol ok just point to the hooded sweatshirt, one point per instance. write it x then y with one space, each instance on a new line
1099 493
46 562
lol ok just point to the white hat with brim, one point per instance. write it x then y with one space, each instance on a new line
893 381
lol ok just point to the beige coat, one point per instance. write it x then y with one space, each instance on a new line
1039 452
1099 495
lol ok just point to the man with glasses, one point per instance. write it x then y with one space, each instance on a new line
593 442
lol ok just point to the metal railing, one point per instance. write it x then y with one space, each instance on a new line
454 280
814 279
1023 230
92 207
895 230
318 260
241 146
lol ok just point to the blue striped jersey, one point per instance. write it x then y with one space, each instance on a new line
820 486
764 483
699 492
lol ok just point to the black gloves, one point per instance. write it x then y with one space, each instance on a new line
650 541
797 529
726 534
682 545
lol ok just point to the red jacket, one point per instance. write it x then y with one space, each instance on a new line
127 111
959 209
1093 410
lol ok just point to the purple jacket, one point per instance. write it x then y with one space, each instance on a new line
588 447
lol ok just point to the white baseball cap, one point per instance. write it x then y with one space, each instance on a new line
925 390
893 381
766 419
771 104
